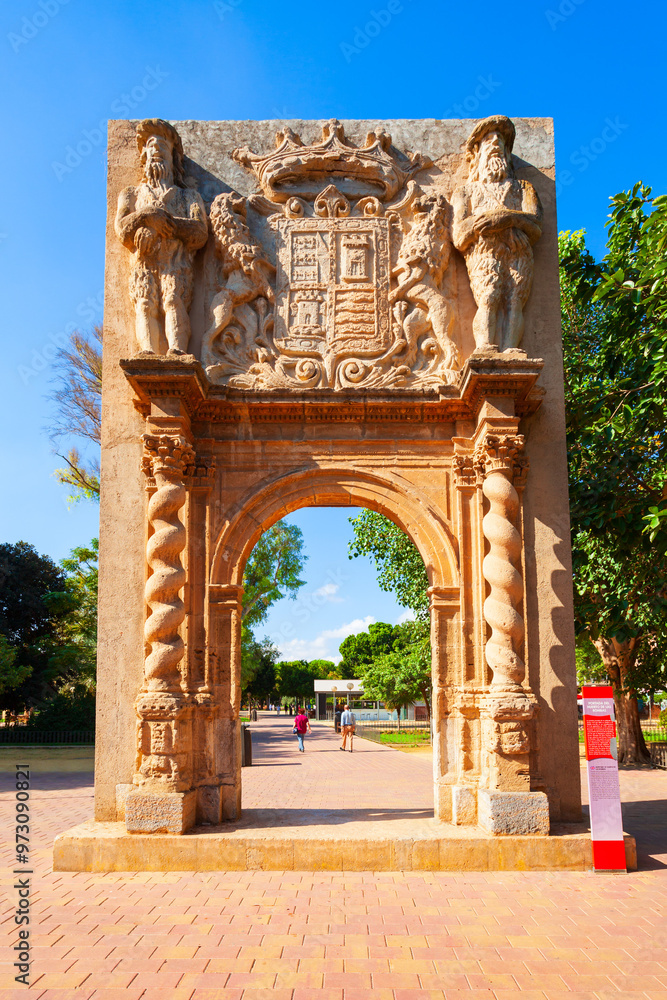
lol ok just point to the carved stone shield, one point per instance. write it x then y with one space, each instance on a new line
332 289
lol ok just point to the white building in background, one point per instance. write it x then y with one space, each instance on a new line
329 693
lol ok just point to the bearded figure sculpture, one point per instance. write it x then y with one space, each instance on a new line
162 223
497 219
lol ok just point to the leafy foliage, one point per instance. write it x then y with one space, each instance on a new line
614 344
399 566
590 667
294 678
364 647
74 661
12 674
272 571
66 712
258 667
392 661
28 621
48 625
325 670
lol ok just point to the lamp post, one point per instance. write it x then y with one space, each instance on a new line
334 689
350 685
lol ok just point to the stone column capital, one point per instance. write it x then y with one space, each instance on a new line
167 455
500 452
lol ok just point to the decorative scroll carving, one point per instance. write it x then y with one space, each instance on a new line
162 223
503 649
166 458
361 297
497 218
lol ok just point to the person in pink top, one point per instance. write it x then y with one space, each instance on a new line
301 727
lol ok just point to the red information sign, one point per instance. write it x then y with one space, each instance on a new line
604 793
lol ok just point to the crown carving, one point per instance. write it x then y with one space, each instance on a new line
295 169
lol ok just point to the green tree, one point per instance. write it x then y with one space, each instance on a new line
294 679
28 620
12 674
260 664
73 663
399 566
393 662
325 670
615 349
365 647
272 571
590 666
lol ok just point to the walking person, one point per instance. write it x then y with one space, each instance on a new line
301 727
347 724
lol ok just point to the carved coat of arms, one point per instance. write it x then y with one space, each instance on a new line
353 291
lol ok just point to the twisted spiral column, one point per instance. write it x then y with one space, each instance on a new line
167 457
503 649
500 572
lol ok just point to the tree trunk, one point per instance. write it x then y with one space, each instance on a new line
619 658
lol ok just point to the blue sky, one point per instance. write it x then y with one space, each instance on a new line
596 68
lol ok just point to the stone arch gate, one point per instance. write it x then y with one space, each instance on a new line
332 330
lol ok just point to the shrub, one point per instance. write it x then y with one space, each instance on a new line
65 713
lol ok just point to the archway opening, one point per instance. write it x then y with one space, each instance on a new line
336 639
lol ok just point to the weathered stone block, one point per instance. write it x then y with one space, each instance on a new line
464 805
513 812
168 812
122 792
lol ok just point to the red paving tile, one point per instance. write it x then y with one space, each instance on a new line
339 936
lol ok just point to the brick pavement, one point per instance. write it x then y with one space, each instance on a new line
338 936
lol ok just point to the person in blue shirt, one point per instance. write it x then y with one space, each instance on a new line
347 724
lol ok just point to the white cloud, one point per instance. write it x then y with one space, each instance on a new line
407 616
325 645
329 592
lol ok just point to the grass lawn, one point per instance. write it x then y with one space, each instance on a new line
412 739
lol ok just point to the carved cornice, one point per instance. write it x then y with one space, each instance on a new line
444 598
294 169
507 374
184 378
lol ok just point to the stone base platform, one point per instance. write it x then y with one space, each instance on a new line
261 842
